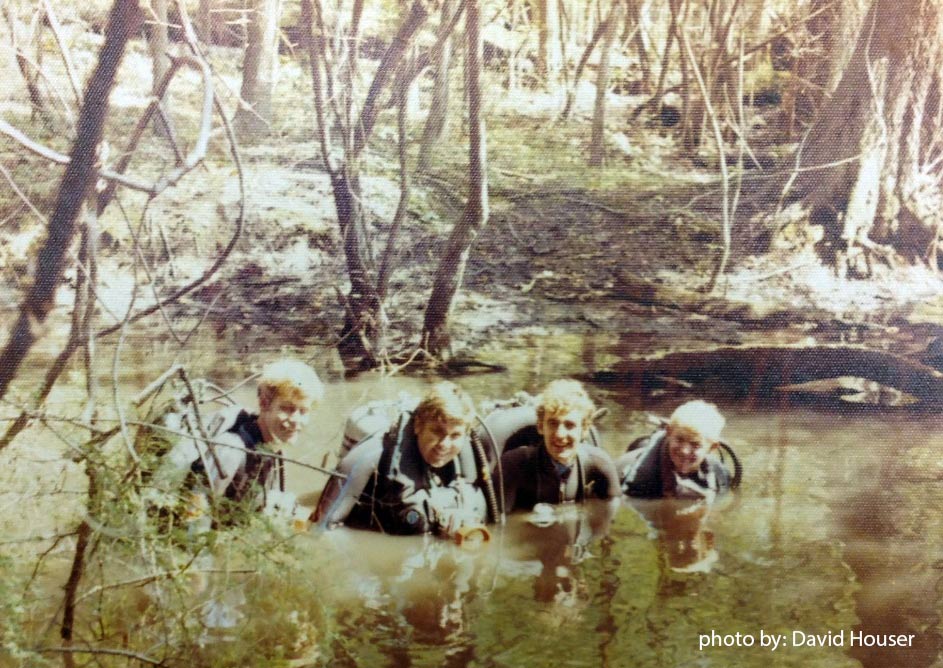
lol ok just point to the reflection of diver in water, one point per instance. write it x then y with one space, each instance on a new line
562 537
685 540
432 590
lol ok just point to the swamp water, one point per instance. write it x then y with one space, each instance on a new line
836 529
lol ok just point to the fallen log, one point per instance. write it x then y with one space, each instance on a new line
760 370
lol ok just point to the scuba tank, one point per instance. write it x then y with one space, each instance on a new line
372 417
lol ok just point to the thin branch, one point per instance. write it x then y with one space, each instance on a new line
35 147
383 275
722 158
155 385
171 178
240 218
201 428
116 389
415 17
258 453
147 272
307 27
56 28
206 313
39 561
165 575
101 651
37 539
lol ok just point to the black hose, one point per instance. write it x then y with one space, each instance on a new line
737 466
486 471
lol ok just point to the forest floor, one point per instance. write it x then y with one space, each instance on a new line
626 249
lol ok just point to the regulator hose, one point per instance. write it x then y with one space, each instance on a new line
737 466
496 513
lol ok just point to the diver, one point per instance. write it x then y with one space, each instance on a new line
422 475
680 460
551 457
239 465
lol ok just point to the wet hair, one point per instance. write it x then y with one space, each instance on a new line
289 379
565 395
446 402
701 417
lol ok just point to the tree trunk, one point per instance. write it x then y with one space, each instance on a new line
365 322
157 43
79 177
204 22
451 271
437 120
597 144
822 54
674 7
870 167
259 71
584 59
638 17
549 55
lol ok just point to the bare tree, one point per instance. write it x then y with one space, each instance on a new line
334 65
597 144
78 178
259 70
869 170
584 60
637 11
451 271
437 120
549 52
157 43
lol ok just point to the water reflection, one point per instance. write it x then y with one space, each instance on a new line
681 527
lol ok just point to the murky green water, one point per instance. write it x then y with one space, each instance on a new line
836 528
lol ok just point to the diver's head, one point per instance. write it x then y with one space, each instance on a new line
564 417
693 431
442 423
288 389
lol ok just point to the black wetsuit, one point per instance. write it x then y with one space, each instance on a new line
646 472
531 476
391 488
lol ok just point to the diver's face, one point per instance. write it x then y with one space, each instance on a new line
284 418
440 441
686 449
562 432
